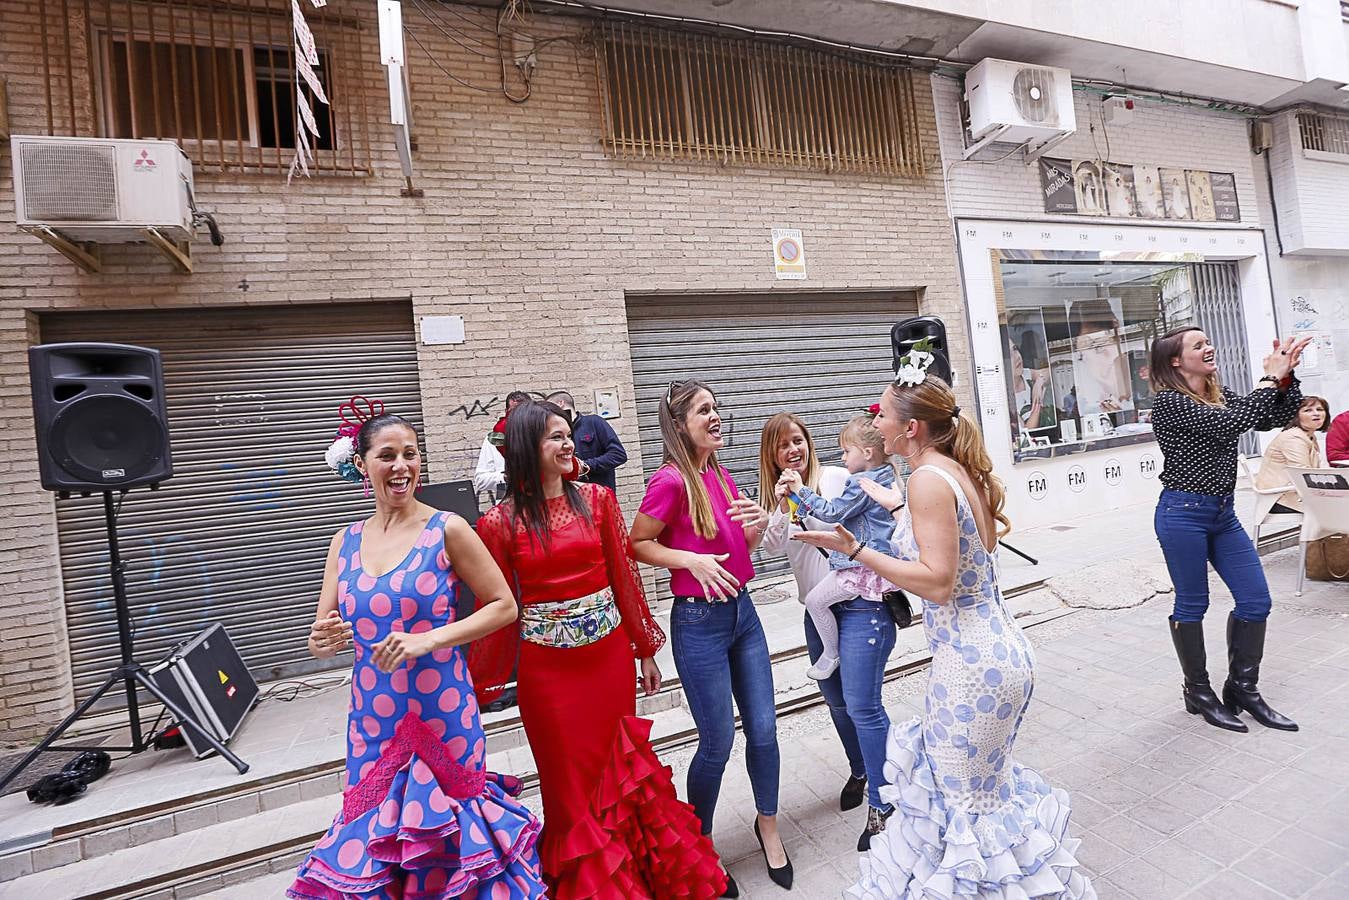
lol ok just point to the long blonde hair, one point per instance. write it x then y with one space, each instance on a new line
1165 376
954 433
679 452
775 430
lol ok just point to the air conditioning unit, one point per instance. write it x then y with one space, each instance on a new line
1018 103
101 190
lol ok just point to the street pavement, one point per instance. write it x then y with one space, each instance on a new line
1166 806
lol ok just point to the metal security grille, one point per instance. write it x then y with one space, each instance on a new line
1329 134
239 534
825 357
64 184
216 75
1217 307
680 95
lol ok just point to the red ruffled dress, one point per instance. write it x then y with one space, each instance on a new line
613 825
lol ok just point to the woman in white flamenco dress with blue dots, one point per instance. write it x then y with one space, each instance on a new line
964 820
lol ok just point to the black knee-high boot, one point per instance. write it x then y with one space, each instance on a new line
1245 649
1199 697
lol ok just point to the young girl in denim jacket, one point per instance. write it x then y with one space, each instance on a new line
864 457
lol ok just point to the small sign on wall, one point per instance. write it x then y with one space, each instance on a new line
442 329
606 403
1091 187
789 253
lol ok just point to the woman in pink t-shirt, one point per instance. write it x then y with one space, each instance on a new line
694 522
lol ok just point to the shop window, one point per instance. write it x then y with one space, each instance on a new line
1075 339
679 95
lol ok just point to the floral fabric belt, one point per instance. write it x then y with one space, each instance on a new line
570 623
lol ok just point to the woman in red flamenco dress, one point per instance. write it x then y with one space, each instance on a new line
613 825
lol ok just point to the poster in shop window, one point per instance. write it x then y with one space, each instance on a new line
1032 389
1100 368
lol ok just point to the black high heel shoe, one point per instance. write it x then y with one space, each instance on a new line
732 889
781 876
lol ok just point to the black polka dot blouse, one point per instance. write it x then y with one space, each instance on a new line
1199 441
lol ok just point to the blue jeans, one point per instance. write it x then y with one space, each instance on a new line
1198 529
866 635
720 651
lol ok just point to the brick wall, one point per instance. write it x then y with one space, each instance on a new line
526 229
1159 135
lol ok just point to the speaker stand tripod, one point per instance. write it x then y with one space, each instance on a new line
1026 556
130 673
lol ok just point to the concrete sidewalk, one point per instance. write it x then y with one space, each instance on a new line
1166 805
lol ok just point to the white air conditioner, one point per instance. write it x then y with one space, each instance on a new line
101 190
1019 103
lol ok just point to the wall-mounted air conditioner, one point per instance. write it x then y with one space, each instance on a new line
1018 103
78 193
102 190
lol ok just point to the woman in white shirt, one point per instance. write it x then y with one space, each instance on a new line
866 630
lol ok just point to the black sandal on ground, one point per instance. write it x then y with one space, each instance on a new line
853 793
782 876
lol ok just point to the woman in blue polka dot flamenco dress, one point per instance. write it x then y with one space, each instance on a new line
421 816
962 819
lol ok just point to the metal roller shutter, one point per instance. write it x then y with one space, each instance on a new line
1218 309
239 534
825 357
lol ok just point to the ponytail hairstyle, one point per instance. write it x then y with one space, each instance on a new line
861 432
954 434
525 429
775 430
679 453
1166 377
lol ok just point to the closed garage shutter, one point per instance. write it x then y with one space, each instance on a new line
239 534
825 357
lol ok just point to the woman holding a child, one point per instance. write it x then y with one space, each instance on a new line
863 633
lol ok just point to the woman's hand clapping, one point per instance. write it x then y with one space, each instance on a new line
1285 356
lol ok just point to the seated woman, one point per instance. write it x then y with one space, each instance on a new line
1295 446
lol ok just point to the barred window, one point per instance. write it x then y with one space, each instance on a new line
1328 134
218 76
678 95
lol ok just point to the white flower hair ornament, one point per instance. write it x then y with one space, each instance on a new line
914 365
341 452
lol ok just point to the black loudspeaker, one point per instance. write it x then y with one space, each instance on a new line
909 332
99 414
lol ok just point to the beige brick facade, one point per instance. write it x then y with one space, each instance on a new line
526 229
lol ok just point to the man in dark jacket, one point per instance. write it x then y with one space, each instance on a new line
597 446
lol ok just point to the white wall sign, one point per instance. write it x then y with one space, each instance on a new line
789 253
607 404
1037 485
1147 465
1113 472
1077 478
442 329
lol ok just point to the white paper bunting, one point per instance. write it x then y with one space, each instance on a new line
307 73
304 38
306 58
307 115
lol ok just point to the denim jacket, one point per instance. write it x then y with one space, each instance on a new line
869 522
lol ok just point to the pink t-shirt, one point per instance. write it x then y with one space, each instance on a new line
667 501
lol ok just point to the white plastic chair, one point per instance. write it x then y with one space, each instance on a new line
1265 498
1325 508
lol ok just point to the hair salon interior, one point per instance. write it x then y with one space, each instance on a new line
435 203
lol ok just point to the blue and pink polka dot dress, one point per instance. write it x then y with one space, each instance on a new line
421 816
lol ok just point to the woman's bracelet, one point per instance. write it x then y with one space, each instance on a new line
852 557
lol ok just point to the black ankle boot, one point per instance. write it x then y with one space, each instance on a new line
1245 649
854 791
1199 697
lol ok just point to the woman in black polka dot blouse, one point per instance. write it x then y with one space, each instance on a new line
1198 424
